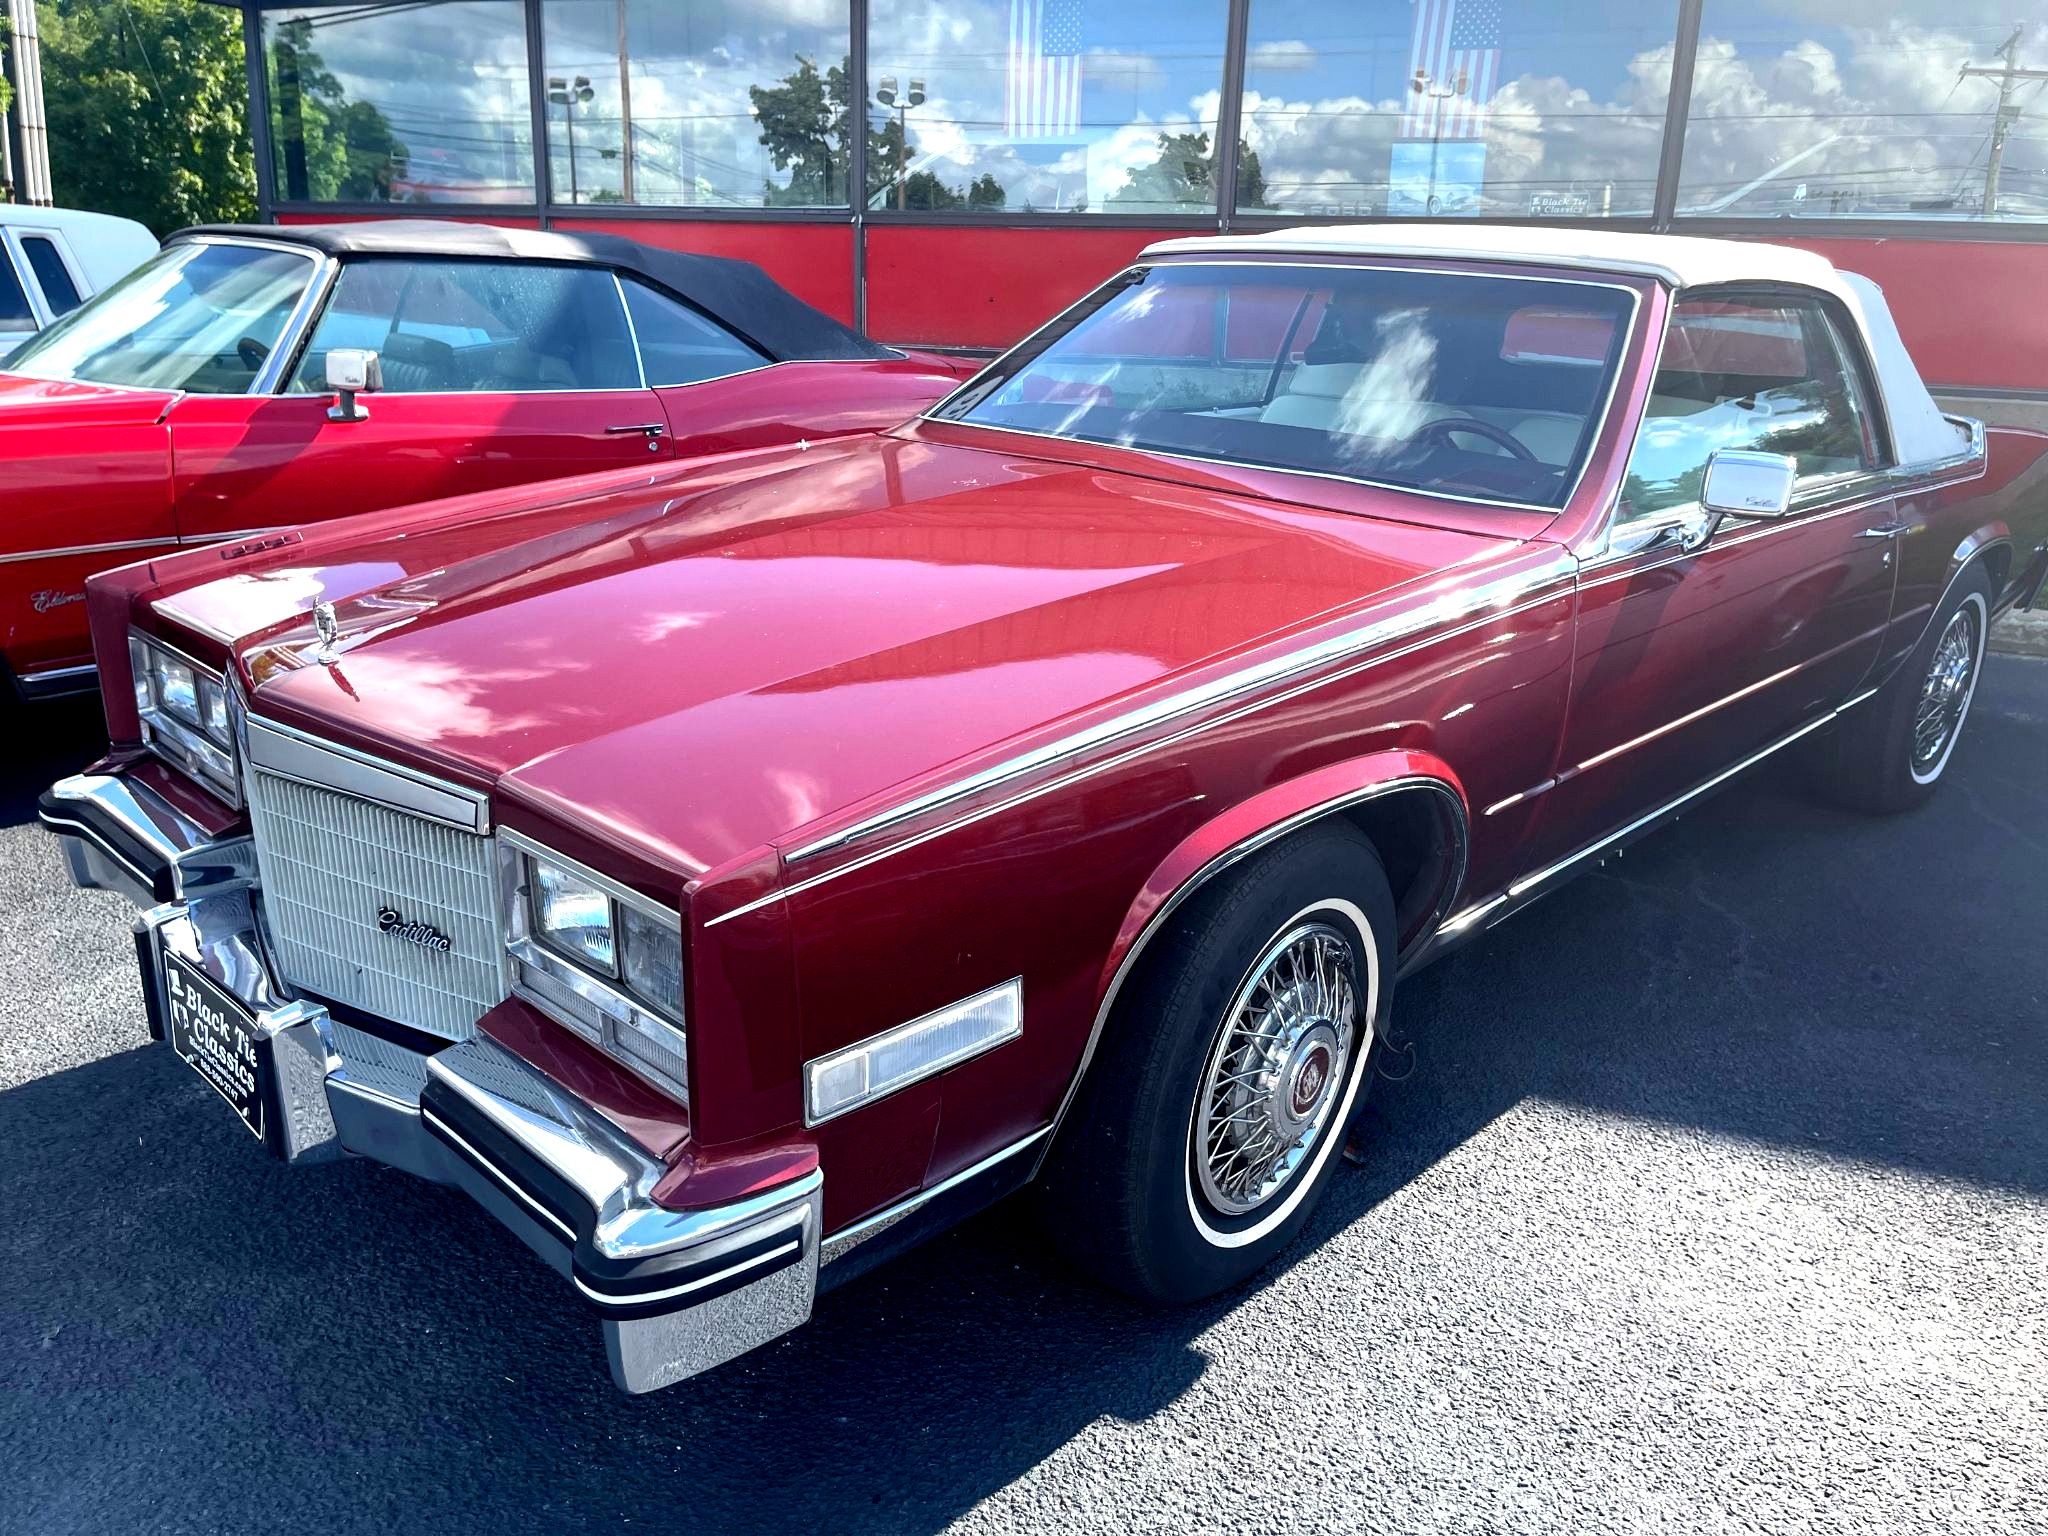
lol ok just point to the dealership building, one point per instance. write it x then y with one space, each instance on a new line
951 172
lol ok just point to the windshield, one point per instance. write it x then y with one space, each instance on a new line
1484 387
198 317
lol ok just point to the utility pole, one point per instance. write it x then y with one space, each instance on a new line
625 109
2008 75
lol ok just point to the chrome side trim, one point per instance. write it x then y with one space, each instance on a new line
168 541
1368 261
1603 562
293 754
1243 850
1448 609
848 1238
1530 885
996 808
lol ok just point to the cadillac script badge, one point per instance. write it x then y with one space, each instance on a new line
390 920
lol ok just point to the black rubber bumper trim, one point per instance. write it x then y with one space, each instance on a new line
622 1289
75 818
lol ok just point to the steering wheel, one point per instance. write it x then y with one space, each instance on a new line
1450 426
252 353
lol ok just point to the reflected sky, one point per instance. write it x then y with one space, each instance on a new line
1799 107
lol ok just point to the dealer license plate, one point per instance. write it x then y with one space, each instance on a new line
216 1036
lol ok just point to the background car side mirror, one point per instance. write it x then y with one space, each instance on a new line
352 371
1742 482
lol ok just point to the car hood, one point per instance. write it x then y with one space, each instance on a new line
27 402
702 669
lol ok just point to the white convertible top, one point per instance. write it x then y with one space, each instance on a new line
1920 432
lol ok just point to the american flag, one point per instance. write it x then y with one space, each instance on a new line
1043 99
1456 42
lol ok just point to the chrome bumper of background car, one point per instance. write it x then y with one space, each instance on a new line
677 1291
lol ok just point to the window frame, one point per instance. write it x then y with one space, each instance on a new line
58 248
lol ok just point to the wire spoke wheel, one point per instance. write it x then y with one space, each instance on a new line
1278 1068
1945 693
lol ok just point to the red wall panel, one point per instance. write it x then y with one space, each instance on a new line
813 261
974 286
1969 310
1965 307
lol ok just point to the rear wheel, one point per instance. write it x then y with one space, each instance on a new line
1211 1119
1889 755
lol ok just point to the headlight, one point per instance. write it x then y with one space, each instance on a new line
602 960
574 916
184 712
654 960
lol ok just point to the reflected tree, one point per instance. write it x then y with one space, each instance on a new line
329 149
806 125
1185 175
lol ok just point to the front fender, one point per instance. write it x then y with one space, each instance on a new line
1273 812
1263 819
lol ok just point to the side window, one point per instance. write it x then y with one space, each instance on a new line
456 327
51 273
680 346
1764 373
16 318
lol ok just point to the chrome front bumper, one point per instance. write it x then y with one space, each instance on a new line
677 1292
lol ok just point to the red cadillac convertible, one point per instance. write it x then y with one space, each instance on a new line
201 400
728 875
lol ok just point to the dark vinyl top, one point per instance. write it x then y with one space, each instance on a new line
737 293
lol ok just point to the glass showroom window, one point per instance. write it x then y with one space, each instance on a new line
400 103
1454 107
1044 106
1929 113
698 103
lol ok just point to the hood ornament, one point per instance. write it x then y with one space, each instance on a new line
327 627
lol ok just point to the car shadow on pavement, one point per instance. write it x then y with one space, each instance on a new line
194 1335
39 744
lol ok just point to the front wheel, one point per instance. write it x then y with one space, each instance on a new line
1889 755
1211 1119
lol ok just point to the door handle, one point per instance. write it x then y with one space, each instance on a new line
649 428
1885 531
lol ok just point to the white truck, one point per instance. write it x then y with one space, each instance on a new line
53 259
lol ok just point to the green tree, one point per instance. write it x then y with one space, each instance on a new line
1185 173
148 109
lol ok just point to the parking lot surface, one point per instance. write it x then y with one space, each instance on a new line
1714 1198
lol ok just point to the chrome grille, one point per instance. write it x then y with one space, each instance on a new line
330 862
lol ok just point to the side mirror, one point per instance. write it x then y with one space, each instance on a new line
352 371
1744 483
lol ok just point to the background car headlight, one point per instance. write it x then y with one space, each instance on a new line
185 716
574 916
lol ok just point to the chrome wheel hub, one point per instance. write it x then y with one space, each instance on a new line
1278 1068
1945 694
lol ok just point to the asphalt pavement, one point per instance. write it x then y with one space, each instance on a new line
1715 1198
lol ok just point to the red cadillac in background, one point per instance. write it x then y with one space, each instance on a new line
191 403
730 877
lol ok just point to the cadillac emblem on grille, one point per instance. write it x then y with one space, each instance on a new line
390 920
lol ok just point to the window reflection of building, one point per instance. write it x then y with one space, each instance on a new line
1934 109
400 102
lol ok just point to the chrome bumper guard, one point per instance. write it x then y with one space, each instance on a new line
677 1291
